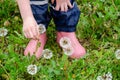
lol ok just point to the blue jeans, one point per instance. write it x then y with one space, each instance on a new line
64 21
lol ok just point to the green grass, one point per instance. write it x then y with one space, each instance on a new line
98 31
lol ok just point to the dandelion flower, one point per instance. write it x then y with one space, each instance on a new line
32 69
100 78
68 51
47 54
107 76
117 54
65 42
3 32
42 28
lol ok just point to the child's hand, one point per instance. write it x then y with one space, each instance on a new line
30 28
62 4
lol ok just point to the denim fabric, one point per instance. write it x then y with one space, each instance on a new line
41 14
64 21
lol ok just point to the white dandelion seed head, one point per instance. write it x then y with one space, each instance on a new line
117 54
3 32
100 78
42 28
108 76
47 54
68 51
65 42
32 69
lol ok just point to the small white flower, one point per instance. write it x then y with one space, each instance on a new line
117 54
65 42
100 78
3 32
47 54
68 51
42 28
32 69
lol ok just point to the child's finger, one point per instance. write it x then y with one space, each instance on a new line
57 7
30 34
37 31
69 4
62 8
52 1
26 34
66 7
34 32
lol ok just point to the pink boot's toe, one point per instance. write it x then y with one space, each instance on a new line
78 50
35 47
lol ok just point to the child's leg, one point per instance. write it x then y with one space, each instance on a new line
66 23
41 15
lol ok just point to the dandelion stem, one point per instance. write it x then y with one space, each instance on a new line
37 46
2 44
114 5
5 71
32 78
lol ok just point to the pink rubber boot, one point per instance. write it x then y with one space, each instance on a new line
35 47
78 50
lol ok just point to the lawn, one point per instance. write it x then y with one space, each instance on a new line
98 31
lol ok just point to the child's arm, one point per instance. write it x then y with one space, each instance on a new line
62 4
30 27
